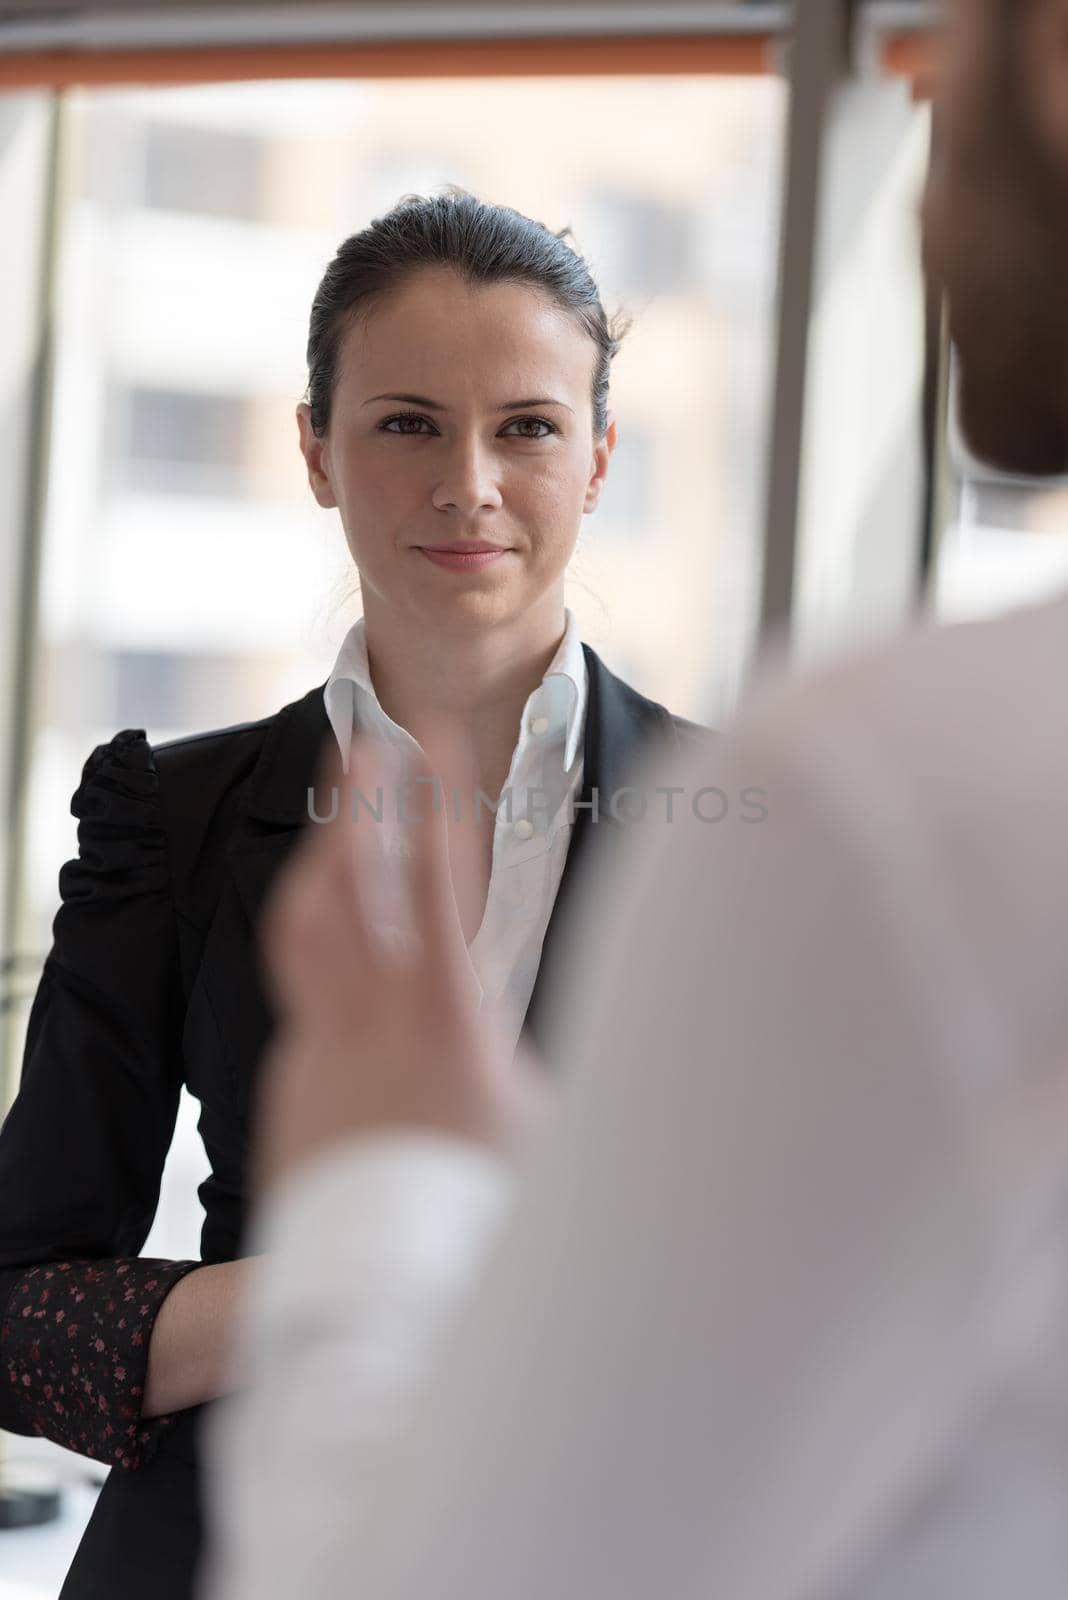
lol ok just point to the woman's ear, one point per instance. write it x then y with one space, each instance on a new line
602 451
313 449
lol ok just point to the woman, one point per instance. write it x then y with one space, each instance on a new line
459 360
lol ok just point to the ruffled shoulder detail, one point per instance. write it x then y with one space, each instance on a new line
120 826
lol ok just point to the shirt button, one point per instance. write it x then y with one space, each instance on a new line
539 724
524 828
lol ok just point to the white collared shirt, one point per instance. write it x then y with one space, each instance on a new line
533 826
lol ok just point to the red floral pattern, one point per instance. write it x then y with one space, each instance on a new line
74 1343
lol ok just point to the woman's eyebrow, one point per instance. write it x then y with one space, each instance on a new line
409 400
540 400
435 405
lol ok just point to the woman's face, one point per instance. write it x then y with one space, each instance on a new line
461 416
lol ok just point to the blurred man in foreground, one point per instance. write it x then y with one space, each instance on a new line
775 1306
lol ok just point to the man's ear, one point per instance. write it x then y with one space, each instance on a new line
1043 60
312 448
602 452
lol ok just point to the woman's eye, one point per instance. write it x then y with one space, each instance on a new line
406 422
527 425
413 424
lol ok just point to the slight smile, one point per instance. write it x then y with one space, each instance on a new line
464 555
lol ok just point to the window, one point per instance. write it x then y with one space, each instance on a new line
173 441
629 492
167 691
210 171
640 245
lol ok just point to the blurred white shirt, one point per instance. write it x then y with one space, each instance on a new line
533 824
778 1309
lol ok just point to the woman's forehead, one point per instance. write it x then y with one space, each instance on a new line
436 303
452 330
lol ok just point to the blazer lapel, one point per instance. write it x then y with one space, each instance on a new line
621 727
276 805
271 817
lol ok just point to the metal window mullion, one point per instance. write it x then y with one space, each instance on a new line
23 612
819 57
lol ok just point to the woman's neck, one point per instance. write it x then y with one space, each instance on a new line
475 683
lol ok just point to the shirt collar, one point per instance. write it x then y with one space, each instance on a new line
351 701
561 696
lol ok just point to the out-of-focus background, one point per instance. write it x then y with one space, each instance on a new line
173 180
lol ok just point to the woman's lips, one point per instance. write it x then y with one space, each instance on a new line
459 560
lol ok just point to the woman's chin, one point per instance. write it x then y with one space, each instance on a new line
465 607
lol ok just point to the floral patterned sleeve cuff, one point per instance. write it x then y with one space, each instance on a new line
74 1346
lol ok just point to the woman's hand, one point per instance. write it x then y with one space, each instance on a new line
375 1034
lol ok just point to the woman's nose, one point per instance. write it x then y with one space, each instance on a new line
468 482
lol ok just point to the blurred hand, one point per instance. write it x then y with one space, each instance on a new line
375 1034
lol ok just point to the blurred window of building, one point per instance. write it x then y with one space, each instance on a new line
217 172
629 495
641 244
176 441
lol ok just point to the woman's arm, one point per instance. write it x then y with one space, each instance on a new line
83 1146
188 1350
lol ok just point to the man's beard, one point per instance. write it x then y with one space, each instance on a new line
1006 266
997 239
1013 404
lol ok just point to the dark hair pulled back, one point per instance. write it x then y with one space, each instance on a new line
485 244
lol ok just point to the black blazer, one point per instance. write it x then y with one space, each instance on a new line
153 981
